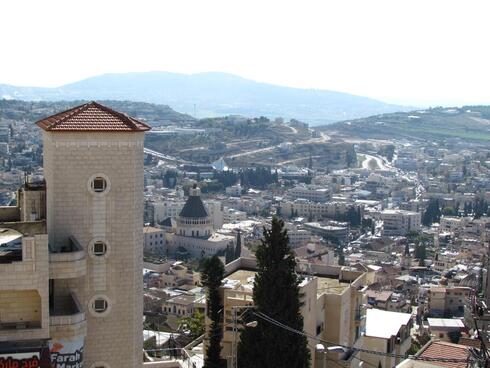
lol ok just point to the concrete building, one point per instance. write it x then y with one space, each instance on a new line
165 209
441 328
448 301
234 190
332 305
310 192
78 283
306 208
386 332
185 305
331 230
399 222
230 215
153 240
178 275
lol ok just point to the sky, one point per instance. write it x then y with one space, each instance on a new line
415 52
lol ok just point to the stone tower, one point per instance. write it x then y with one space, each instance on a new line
93 167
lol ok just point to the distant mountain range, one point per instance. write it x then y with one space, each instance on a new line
212 94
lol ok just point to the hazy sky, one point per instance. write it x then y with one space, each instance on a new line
414 52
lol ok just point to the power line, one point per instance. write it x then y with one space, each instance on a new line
290 329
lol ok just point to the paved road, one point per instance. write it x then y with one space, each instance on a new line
323 138
379 162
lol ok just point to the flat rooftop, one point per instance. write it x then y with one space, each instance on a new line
240 277
245 278
327 285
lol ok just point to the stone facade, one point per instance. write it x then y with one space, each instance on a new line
24 293
113 217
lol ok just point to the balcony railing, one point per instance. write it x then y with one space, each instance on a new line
67 261
27 325
66 315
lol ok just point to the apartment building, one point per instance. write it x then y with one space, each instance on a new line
332 306
153 240
185 305
399 222
310 192
386 333
72 280
230 215
306 208
448 301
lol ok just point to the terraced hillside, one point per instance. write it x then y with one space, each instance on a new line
470 123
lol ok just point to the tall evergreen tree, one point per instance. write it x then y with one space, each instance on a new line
238 248
432 213
211 277
229 254
276 294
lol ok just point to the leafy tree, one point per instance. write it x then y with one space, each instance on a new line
276 294
194 323
211 277
432 213
421 253
480 208
227 178
449 211
150 344
340 251
454 336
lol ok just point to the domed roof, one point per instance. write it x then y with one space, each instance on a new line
194 208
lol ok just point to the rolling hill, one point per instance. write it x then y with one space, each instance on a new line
212 94
469 123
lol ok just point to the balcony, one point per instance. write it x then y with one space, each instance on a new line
28 325
66 317
67 261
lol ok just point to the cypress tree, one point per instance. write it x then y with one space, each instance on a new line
276 294
238 248
211 277
229 254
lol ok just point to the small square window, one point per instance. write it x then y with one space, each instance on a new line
99 184
99 248
100 305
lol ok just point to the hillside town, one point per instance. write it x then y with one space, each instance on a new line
391 251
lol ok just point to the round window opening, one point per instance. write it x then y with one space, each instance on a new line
99 248
100 305
99 184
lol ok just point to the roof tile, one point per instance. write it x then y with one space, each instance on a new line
92 117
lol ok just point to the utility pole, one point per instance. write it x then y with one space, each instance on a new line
234 345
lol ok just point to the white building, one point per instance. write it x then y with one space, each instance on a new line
386 332
306 208
168 208
231 215
310 192
234 190
400 222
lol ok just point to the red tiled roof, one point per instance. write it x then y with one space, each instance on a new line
92 117
446 350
